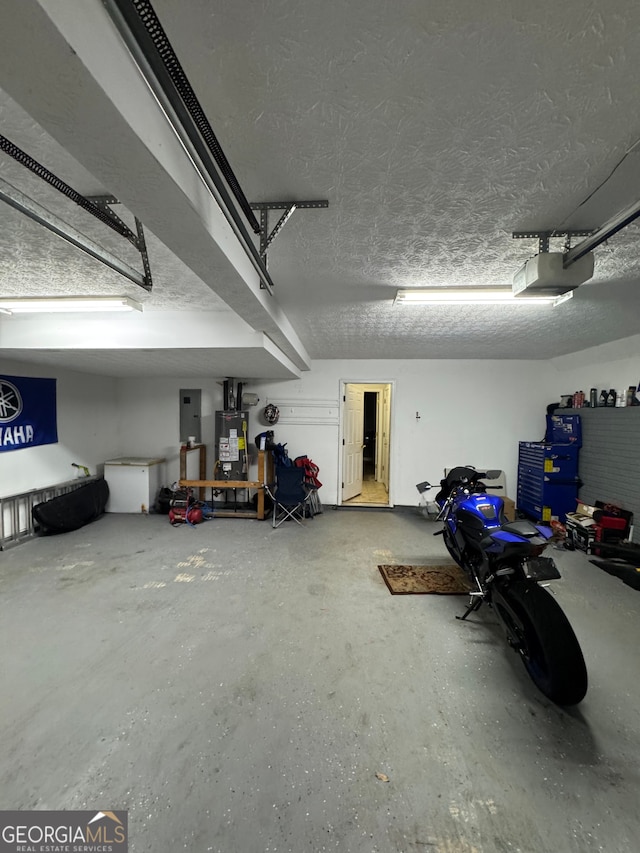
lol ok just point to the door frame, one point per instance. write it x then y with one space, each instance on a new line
375 386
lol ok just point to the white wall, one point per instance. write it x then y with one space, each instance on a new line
88 419
150 420
613 365
470 413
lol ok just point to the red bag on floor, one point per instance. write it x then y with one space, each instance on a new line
311 471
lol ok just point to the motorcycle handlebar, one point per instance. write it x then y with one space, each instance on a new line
474 479
477 481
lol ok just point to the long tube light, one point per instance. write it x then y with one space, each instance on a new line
68 304
468 296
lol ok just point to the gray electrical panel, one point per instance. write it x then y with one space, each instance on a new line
190 414
231 438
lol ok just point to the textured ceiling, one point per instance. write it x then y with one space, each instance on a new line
434 130
36 262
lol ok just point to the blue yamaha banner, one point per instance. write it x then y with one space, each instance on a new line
27 412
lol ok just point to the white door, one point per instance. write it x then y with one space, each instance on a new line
353 437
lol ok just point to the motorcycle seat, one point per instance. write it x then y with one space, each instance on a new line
524 528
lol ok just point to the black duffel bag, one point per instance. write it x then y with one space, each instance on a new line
73 510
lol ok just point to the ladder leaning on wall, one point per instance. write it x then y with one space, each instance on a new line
16 520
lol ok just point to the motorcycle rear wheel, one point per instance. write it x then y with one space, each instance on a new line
547 643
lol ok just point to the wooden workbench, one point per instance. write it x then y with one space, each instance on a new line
265 475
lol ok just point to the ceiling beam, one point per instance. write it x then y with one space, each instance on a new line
93 100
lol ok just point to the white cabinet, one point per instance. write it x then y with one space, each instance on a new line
133 483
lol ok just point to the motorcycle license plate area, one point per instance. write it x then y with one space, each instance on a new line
541 569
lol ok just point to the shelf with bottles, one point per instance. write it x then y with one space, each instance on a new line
611 399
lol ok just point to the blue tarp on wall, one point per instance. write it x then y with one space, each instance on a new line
28 415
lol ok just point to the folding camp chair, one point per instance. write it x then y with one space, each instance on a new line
290 494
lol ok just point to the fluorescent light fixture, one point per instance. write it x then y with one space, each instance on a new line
67 304
468 296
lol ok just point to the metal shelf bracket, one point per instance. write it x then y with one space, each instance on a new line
543 237
103 203
289 207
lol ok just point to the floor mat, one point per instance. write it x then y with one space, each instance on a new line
422 580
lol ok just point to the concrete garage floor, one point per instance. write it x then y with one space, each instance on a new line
238 688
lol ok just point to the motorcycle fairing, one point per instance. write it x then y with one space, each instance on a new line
485 507
503 535
473 517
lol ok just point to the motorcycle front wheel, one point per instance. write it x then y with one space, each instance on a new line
451 548
545 640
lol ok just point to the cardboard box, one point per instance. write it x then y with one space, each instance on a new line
599 523
581 531
581 527
581 520
509 509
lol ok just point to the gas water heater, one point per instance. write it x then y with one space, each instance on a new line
231 431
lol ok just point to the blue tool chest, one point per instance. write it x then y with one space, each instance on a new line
564 429
547 479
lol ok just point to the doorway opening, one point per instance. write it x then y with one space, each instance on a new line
365 457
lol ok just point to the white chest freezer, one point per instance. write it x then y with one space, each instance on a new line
134 483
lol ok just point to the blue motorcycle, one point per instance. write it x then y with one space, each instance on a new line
503 560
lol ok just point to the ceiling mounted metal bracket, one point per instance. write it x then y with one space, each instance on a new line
289 208
543 237
30 208
601 235
103 203
98 207
593 238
